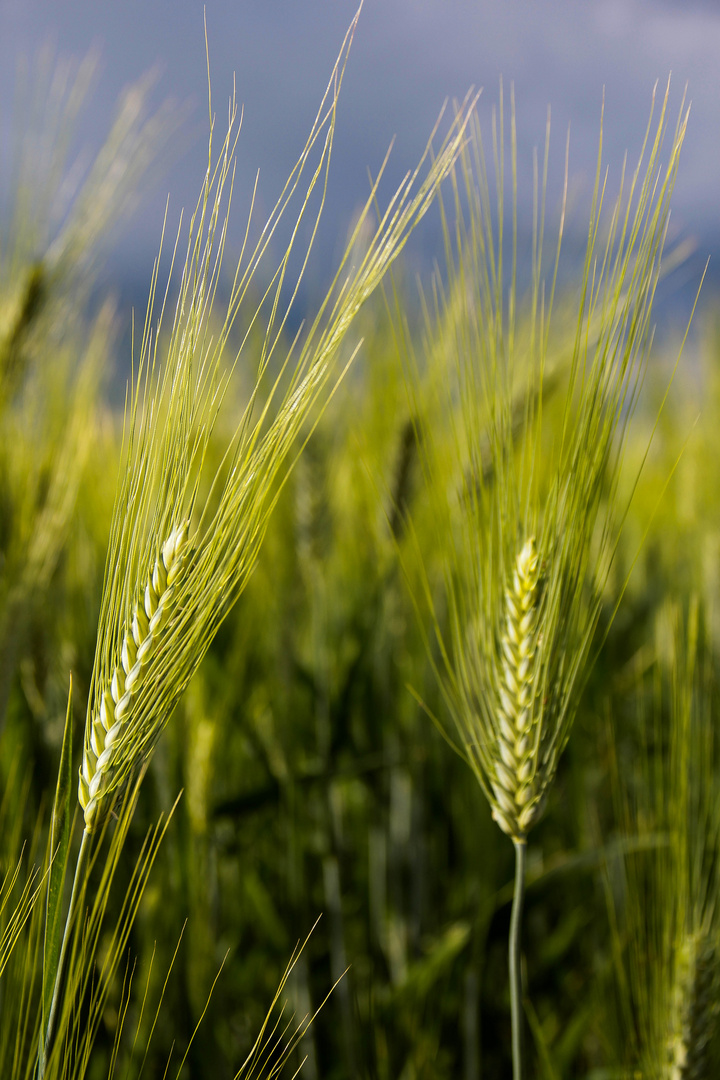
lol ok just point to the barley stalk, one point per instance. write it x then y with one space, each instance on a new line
106 763
516 786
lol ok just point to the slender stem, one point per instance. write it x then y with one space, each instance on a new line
78 882
514 959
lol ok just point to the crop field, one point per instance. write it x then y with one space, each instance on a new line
359 666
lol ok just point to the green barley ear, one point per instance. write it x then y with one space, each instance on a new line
526 495
696 1009
665 895
175 567
684 893
516 789
181 550
52 358
150 615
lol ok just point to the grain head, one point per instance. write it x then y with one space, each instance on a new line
527 508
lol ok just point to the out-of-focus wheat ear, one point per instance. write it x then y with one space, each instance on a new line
514 786
695 1010
108 749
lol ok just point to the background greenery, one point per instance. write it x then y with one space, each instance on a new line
313 781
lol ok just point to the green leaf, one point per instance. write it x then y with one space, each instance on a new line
59 848
425 973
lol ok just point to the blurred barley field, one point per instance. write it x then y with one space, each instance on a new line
319 803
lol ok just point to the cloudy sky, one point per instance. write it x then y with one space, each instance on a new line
408 57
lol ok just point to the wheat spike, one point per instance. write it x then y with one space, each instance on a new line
105 737
695 1010
516 800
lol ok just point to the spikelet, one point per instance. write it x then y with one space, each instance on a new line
105 743
516 797
695 1010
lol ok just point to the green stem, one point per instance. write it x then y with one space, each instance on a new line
78 882
514 958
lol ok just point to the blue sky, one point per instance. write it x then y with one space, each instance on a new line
408 57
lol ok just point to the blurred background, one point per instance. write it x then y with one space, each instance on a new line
313 780
409 56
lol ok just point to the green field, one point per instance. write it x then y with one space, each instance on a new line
355 619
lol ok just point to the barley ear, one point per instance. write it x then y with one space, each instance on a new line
695 1009
515 787
111 741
